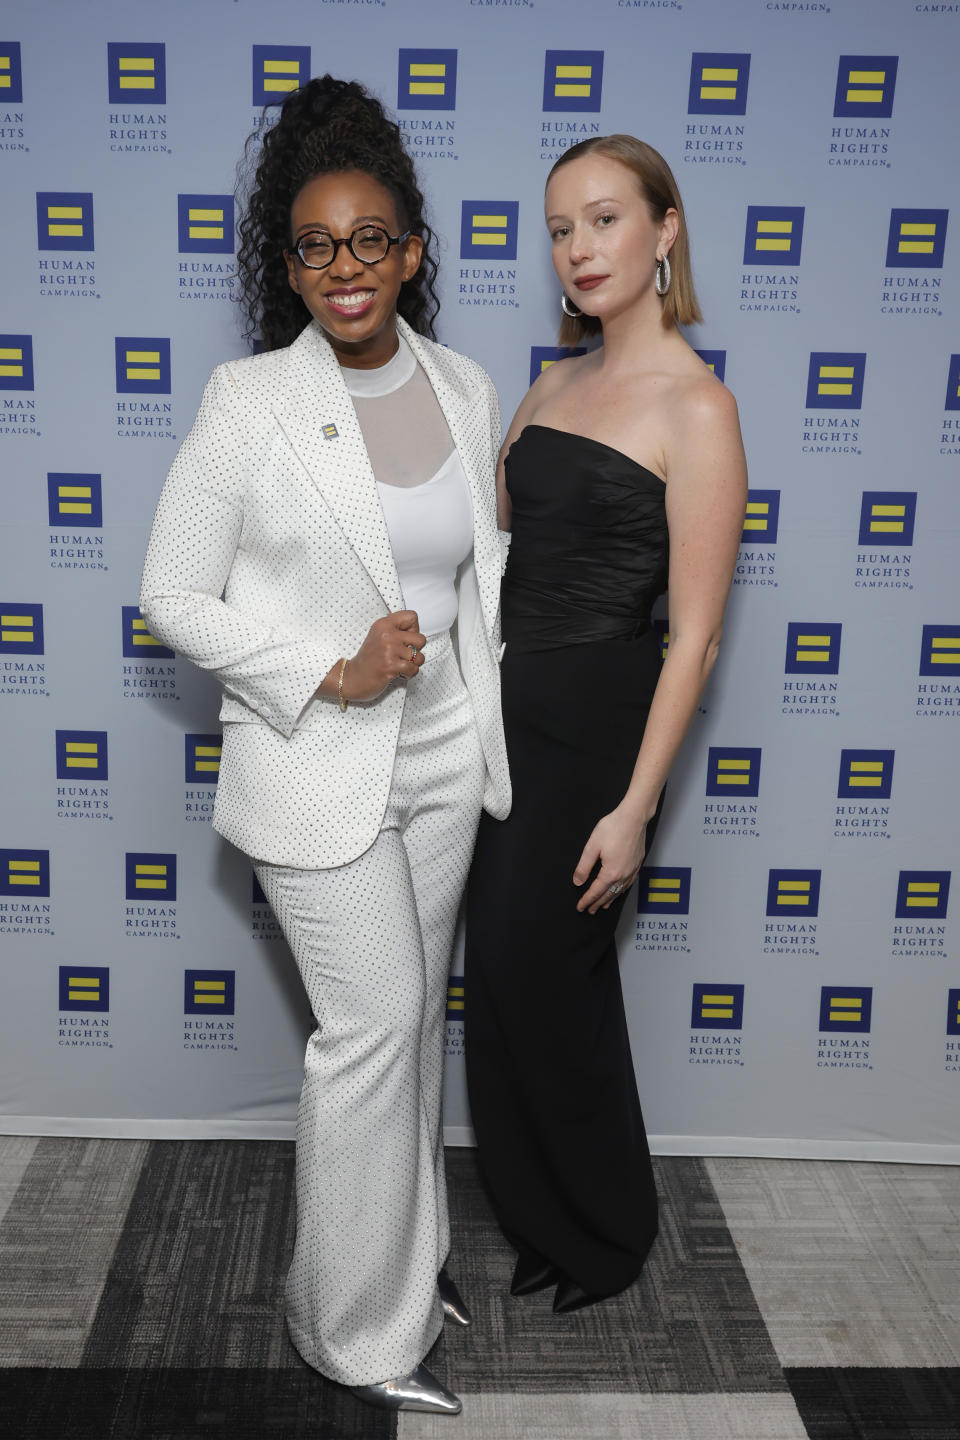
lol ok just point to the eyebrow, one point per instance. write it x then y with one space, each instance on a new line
358 220
589 206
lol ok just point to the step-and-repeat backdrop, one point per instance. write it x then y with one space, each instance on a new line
791 960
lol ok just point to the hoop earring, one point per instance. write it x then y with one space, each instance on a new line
661 280
568 308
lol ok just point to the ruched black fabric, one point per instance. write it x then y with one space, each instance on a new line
588 555
553 1095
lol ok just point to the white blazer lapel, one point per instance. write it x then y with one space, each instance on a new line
467 417
317 416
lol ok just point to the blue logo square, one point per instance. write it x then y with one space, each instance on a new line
865 86
774 235
718 83
202 763
81 754
278 70
209 992
793 892
813 648
733 773
717 1007
865 775
488 230
543 356
74 499
715 360
940 650
661 629
427 80
150 876
664 890
137 74
24 874
953 1012
11 73
762 520
923 894
21 628
835 378
887 517
16 362
64 220
846 1008
143 365
573 80
917 239
953 382
205 224
138 643
257 890
84 988
455 998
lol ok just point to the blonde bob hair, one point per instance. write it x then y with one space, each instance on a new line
659 189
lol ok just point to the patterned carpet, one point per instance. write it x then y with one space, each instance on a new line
140 1297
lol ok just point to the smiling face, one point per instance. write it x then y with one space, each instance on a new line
605 241
354 302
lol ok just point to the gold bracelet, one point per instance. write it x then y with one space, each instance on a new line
343 702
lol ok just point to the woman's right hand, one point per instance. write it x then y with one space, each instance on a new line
392 647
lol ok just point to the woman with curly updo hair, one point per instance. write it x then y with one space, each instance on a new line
326 544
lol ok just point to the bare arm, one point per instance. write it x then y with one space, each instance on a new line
705 499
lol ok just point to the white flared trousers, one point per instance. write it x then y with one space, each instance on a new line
372 940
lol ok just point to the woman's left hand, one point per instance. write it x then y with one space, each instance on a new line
619 845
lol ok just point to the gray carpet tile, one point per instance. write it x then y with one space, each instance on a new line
197 1279
614 1417
851 1264
690 1324
56 1242
16 1152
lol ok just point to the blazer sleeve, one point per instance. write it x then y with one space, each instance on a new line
192 547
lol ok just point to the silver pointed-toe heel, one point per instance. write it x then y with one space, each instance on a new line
417 1391
452 1301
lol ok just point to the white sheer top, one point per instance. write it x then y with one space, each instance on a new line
422 486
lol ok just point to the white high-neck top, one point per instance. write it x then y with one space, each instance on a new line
423 490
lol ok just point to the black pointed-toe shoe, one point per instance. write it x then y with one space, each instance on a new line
532 1273
570 1296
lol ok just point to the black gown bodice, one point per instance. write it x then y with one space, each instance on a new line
589 550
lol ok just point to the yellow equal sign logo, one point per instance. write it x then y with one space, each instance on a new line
83 987
494 231
142 364
758 515
774 235
207 758
6 76
887 519
845 1009
23 872
719 82
916 238
81 754
137 72
75 499
17 629
141 635
835 380
922 895
203 223
455 998
281 75
945 650
428 77
209 992
733 772
149 877
793 892
11 361
716 1007
65 220
572 81
813 649
664 889
865 87
865 774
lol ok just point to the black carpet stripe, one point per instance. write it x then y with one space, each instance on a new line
867 1404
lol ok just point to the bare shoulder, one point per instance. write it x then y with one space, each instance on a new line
556 377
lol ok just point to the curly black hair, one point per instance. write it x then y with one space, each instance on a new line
329 125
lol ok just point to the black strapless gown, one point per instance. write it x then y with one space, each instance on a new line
552 1089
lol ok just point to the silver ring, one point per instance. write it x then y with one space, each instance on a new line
615 888
414 652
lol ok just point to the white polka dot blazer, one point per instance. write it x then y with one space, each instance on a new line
269 560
